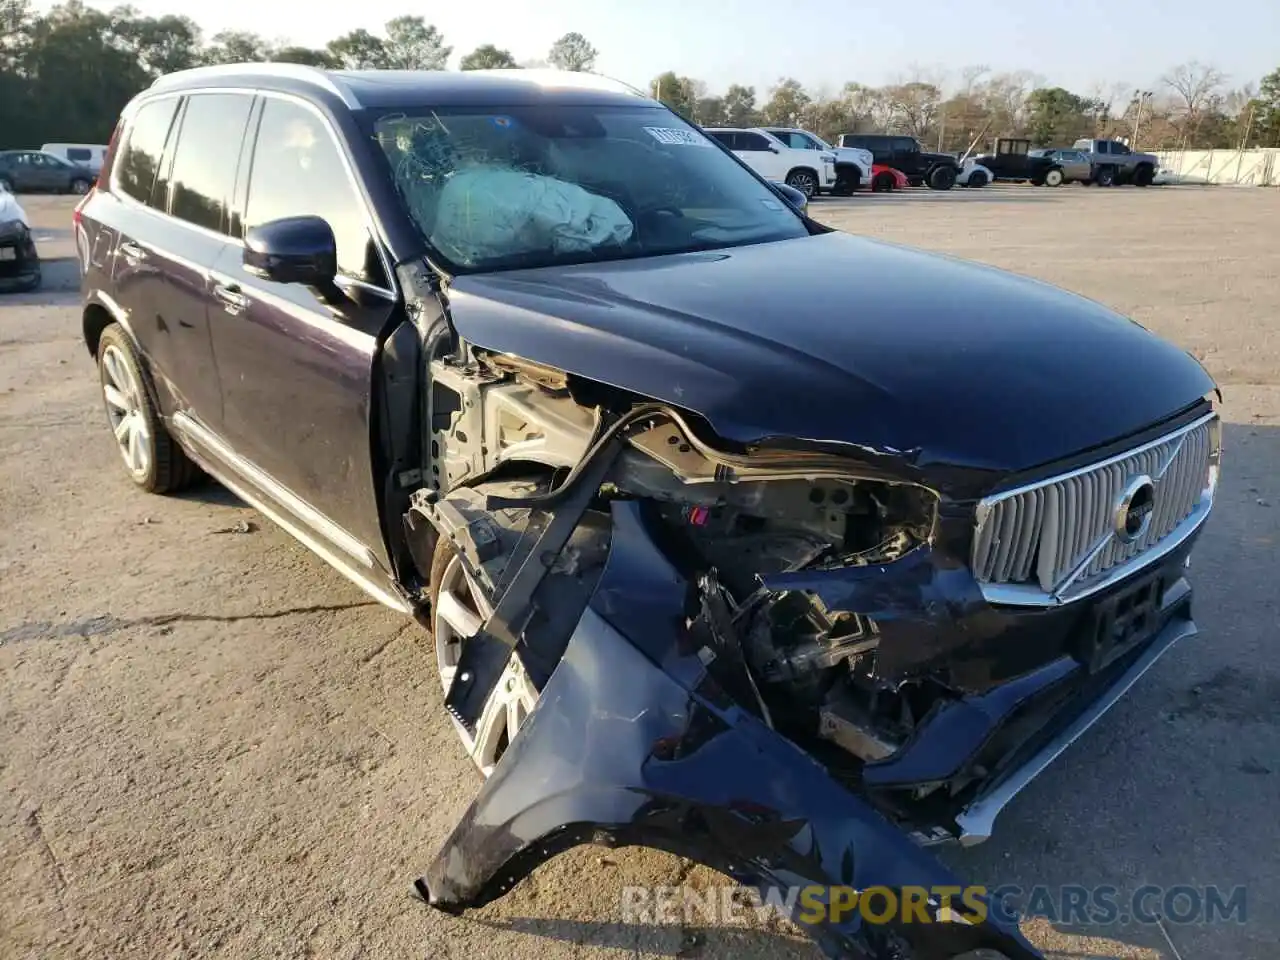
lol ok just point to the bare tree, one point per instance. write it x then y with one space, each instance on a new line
1196 87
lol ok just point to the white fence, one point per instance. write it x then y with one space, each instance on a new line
1257 168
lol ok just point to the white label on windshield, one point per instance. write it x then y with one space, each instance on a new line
676 137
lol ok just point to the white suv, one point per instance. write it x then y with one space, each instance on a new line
853 164
807 170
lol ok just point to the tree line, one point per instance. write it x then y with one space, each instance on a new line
65 75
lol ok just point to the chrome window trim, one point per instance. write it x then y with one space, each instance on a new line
1032 595
370 224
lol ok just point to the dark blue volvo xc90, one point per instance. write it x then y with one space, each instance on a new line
782 549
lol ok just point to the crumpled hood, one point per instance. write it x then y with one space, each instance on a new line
843 339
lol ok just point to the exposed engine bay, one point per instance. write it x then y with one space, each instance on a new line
725 518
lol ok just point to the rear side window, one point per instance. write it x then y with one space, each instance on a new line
726 139
752 142
904 145
79 154
298 171
204 161
140 160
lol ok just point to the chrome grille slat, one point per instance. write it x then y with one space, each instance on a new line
1037 536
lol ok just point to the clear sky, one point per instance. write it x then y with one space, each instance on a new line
1073 43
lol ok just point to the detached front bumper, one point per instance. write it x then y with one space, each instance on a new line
634 742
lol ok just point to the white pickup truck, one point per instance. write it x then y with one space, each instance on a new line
853 164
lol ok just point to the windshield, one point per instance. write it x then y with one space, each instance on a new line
534 186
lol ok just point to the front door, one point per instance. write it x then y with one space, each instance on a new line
761 155
296 372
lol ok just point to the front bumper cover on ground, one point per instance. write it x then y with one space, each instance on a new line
634 743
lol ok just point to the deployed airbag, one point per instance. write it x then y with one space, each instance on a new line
487 214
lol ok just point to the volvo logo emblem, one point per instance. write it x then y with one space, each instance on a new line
1134 509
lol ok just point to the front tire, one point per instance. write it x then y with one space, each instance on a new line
941 177
806 181
152 458
1053 178
977 179
80 187
459 609
1105 177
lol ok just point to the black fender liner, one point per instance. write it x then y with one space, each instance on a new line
633 742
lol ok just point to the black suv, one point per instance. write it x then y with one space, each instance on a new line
935 170
736 535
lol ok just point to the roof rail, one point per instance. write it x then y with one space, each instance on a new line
285 71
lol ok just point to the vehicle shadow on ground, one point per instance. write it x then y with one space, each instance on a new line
662 940
210 491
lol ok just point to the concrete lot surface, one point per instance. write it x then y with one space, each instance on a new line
213 745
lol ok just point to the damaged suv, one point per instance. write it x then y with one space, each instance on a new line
781 549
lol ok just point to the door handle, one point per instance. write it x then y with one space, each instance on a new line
233 301
132 252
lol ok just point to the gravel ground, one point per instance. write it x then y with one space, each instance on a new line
213 745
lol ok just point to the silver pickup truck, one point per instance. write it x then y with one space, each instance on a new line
1114 162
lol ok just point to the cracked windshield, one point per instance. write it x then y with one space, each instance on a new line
529 187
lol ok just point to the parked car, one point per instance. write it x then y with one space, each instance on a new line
853 165
19 261
87 155
887 179
1075 164
936 170
23 171
738 536
1114 162
809 172
974 175
1011 158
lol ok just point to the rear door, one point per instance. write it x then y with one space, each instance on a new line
297 372
164 252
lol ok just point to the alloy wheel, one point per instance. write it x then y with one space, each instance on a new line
804 182
460 610
123 396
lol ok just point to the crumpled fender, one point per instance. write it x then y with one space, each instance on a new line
621 751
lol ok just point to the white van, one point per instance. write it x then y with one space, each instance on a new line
89 155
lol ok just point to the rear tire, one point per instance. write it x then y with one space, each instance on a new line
977 179
152 458
1105 177
80 187
1143 176
6 185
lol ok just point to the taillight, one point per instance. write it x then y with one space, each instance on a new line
78 213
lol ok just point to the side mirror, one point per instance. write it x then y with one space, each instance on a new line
773 149
294 250
794 197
